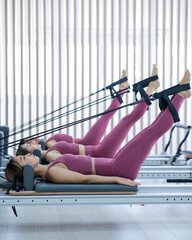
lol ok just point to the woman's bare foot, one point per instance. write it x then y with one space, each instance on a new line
154 85
124 84
186 79
154 70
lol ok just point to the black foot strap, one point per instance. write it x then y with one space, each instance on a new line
117 82
138 87
165 102
113 92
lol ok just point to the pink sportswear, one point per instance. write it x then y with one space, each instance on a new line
128 161
95 133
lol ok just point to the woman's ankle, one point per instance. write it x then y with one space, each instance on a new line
185 80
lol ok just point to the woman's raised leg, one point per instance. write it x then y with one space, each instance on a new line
96 132
130 158
111 143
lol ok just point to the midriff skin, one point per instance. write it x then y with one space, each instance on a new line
81 149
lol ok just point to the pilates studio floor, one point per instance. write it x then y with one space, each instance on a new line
170 222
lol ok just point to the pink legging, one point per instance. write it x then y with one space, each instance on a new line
111 143
128 161
95 133
130 158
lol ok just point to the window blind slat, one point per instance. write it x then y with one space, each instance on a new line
55 52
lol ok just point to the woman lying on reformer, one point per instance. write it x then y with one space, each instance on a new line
123 168
92 137
105 148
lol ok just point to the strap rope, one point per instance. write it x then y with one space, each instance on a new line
90 104
57 117
160 96
44 133
111 86
51 113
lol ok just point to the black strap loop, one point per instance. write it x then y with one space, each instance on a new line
112 85
138 87
113 91
143 94
115 94
165 102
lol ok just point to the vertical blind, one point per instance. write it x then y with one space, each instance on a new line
53 53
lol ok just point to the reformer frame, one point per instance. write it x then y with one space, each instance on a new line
158 194
94 193
166 159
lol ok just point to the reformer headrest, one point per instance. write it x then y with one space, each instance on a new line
37 152
42 142
28 178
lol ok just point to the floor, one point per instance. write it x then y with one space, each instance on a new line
98 222
170 222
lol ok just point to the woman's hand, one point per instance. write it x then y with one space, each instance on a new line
126 181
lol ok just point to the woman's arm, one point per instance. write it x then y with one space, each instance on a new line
189 155
63 175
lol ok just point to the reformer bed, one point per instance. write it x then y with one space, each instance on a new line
98 194
30 193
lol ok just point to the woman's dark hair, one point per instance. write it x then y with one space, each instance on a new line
21 151
14 169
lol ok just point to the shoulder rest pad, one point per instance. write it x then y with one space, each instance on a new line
52 187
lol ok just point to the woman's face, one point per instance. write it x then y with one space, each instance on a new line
28 158
29 147
34 141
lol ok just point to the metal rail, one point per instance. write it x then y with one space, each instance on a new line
181 194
